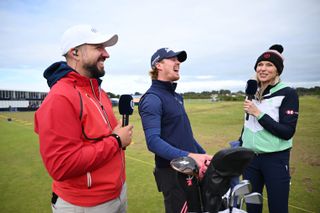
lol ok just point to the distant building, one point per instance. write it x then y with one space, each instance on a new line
136 99
214 98
13 100
114 101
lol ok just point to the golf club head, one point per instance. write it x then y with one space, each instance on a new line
239 197
244 181
185 165
240 189
252 198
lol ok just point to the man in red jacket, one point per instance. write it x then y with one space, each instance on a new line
81 142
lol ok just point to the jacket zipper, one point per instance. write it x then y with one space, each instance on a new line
104 115
101 109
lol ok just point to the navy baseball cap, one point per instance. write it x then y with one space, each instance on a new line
163 53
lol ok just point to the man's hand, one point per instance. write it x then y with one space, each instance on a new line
125 134
202 160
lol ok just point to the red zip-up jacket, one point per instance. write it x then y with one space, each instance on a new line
74 123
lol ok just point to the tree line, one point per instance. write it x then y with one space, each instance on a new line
227 95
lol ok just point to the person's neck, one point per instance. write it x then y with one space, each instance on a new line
273 82
76 67
264 85
164 80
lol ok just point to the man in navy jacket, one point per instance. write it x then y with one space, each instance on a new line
167 128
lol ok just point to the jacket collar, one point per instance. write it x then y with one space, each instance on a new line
166 85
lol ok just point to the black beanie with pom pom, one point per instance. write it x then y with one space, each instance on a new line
273 55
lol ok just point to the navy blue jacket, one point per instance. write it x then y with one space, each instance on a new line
166 125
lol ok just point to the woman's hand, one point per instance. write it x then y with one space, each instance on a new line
250 108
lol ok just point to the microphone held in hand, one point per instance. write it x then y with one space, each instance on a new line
125 108
251 89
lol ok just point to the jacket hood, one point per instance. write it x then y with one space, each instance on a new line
58 70
55 72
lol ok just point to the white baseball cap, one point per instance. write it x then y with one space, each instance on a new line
85 34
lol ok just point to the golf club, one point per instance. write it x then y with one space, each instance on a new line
209 193
185 165
239 197
240 189
252 198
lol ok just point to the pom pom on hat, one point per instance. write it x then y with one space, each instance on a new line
274 56
277 47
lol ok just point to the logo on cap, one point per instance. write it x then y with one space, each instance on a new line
94 30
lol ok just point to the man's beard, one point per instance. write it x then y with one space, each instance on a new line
94 71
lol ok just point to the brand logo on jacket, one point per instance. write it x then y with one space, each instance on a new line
291 112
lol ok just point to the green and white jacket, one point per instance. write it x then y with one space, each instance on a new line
274 128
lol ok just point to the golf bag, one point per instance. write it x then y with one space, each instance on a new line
206 195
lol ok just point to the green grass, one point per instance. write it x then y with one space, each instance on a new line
26 187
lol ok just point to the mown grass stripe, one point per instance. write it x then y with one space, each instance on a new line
141 161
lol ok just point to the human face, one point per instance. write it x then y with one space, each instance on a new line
266 72
93 57
168 69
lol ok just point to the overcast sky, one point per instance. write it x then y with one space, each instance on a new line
222 39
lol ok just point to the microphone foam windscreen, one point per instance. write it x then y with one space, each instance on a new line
126 105
252 86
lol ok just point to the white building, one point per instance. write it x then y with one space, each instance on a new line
12 100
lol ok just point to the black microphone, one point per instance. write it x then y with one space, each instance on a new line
251 89
125 108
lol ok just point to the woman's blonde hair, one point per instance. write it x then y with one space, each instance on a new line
260 90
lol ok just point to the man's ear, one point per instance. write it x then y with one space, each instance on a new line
73 53
158 65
